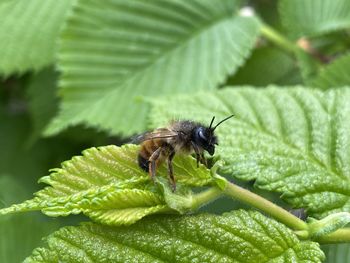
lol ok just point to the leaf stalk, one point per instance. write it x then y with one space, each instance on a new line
205 197
278 39
339 236
266 206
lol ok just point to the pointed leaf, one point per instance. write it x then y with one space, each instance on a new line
314 17
238 236
134 48
107 185
28 33
295 141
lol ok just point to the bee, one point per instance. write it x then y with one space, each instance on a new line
183 137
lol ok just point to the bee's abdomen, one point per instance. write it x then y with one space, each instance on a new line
143 162
147 149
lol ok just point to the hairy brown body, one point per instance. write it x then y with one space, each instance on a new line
146 151
183 137
162 144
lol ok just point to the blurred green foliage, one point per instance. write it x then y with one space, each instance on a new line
92 65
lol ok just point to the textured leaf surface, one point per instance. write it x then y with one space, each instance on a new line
114 51
107 185
238 236
293 140
336 74
314 17
337 253
28 32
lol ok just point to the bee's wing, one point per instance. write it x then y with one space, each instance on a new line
156 134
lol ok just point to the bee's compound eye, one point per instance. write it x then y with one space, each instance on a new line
201 134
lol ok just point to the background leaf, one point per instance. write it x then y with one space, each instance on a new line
28 32
42 99
135 48
293 140
267 65
26 230
308 66
239 236
335 74
337 253
107 185
314 17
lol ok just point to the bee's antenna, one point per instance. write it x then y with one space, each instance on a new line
221 121
211 123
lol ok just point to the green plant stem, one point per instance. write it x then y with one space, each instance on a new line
266 206
205 197
339 236
278 39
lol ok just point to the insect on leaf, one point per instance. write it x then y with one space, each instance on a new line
294 141
107 185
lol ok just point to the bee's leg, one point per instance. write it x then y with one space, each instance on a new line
198 155
203 160
152 162
170 170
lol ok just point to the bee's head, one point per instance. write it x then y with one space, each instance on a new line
205 138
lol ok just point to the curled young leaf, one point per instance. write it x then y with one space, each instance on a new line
329 224
238 236
107 185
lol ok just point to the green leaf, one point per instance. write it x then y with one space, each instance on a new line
335 74
139 48
42 100
20 234
337 253
26 230
28 33
267 65
308 66
314 17
107 185
238 236
294 141
268 11
17 160
329 224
